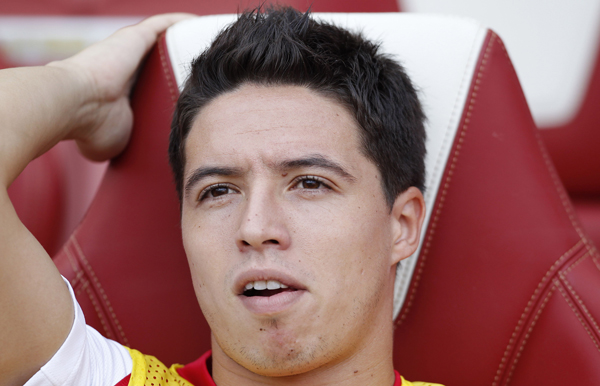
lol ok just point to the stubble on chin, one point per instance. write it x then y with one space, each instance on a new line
278 352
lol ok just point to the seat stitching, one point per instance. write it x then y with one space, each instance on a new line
595 261
531 326
583 323
447 140
78 290
85 286
566 203
74 265
574 293
75 281
560 190
166 71
528 307
581 303
108 331
457 107
78 272
568 209
446 185
575 264
555 179
101 290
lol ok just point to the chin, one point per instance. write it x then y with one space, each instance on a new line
281 362
280 353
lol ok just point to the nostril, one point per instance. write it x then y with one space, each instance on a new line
264 244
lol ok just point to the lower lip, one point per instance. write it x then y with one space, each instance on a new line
264 305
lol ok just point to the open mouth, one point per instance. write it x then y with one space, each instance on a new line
267 295
265 288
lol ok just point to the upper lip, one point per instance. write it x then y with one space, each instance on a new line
265 274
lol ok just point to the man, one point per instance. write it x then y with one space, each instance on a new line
297 151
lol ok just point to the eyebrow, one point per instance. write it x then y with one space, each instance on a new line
203 172
316 160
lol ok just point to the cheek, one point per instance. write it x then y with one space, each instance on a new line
351 247
208 252
209 265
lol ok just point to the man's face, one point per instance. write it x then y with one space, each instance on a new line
279 194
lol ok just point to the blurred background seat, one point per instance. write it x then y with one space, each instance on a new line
38 197
53 193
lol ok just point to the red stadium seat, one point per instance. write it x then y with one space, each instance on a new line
53 192
37 195
556 51
505 286
4 62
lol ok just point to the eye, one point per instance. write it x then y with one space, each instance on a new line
215 191
310 183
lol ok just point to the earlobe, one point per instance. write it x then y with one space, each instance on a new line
408 215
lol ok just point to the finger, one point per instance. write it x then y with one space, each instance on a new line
159 23
150 28
111 63
107 70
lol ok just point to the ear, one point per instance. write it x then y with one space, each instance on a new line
408 215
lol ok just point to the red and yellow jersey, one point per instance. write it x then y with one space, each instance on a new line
149 371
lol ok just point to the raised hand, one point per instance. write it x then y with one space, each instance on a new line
108 70
84 98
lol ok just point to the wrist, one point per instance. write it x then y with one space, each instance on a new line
101 119
84 98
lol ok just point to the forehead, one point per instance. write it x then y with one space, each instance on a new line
270 122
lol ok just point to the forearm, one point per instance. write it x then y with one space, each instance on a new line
39 106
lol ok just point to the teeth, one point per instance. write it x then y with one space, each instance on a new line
264 284
260 285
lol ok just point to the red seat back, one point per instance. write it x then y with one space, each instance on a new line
556 51
37 195
506 288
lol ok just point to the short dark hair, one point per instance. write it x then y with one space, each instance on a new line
282 46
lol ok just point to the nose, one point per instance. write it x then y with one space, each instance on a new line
263 224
